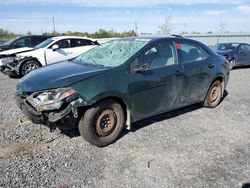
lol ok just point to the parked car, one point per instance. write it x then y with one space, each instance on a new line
50 51
111 86
238 54
24 41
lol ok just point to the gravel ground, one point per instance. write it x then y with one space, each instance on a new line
191 147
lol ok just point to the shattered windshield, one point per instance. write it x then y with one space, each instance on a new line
113 53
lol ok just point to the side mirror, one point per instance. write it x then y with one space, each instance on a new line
141 68
55 47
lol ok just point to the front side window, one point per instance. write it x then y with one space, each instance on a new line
190 52
23 42
113 53
226 47
65 43
245 48
159 55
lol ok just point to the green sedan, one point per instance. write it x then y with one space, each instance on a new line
108 88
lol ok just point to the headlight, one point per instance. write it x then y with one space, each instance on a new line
7 60
51 99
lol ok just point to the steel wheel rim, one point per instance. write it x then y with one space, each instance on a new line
214 94
29 67
105 122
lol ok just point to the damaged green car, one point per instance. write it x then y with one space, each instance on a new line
107 88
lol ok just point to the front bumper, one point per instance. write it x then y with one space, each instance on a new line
64 118
29 111
9 68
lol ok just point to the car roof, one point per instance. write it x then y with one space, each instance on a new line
151 37
34 36
161 37
230 43
70 37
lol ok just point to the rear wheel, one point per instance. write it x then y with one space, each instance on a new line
214 95
102 124
29 66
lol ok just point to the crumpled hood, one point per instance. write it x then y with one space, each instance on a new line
15 51
57 75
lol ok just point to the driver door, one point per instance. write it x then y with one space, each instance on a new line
61 54
157 88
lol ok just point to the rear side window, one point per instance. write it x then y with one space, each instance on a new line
81 42
37 40
190 52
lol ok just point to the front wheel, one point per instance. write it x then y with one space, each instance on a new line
29 66
102 124
214 95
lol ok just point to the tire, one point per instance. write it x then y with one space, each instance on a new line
232 64
29 66
214 95
102 124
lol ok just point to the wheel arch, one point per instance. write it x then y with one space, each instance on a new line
23 61
220 78
120 101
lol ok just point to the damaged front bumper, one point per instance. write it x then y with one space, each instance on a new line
9 68
65 117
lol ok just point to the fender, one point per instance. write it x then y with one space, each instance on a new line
119 97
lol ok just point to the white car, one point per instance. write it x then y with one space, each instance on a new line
52 50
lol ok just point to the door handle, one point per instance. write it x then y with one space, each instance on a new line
210 66
179 73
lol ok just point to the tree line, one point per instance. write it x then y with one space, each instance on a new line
101 33
5 34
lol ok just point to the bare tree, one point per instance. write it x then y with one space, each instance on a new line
29 33
167 27
222 27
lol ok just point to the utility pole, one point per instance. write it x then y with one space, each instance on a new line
136 28
54 27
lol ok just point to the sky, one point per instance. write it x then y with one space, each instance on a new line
21 16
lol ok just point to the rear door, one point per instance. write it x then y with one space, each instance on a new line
199 66
159 87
